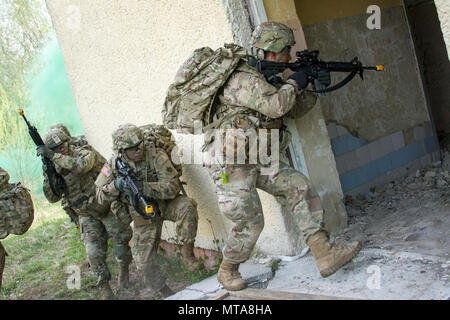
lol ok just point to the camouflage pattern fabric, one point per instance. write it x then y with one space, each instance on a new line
158 180
248 103
272 36
3 255
16 207
79 169
54 137
126 136
94 235
240 203
196 83
161 138
147 234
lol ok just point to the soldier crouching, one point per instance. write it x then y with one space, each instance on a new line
79 166
156 176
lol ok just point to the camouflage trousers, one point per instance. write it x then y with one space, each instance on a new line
240 203
147 234
3 255
95 233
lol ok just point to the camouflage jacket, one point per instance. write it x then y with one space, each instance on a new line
248 101
156 176
79 170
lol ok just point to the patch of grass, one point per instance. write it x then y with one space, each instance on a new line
275 265
175 269
38 260
35 266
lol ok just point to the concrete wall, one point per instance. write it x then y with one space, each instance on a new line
362 165
380 127
433 59
121 56
371 108
443 9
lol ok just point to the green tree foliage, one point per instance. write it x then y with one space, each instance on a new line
25 27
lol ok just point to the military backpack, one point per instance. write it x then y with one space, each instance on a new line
162 138
16 210
190 97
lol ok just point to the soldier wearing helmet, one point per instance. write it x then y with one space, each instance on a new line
158 179
16 212
79 166
248 103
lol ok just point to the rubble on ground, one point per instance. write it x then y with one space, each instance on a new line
408 214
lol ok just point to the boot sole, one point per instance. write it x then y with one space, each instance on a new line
237 288
329 271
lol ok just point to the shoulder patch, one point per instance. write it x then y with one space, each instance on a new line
106 171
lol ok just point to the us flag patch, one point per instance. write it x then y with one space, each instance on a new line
106 171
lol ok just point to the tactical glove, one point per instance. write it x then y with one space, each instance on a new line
44 151
324 77
301 78
122 186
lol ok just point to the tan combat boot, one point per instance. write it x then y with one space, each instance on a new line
330 258
230 277
188 257
3 255
124 278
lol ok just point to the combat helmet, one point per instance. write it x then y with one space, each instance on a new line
55 137
61 127
126 136
272 36
4 177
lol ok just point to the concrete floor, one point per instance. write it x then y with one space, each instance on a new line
373 274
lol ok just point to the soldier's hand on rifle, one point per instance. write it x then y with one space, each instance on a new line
44 151
121 185
301 78
324 77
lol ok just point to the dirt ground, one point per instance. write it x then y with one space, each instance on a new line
410 215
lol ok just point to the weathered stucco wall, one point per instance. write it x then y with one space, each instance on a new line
433 59
384 102
121 56
443 9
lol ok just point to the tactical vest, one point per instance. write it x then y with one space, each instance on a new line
81 187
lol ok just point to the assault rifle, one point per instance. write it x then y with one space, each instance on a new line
151 208
49 167
308 62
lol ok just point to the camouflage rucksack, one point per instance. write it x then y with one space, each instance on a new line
190 96
161 138
16 210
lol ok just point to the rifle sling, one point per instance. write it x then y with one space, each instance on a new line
340 84
79 201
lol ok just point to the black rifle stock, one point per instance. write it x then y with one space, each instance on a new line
151 208
48 164
308 62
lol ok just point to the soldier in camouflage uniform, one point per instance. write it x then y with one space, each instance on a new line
79 165
158 179
249 102
16 212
